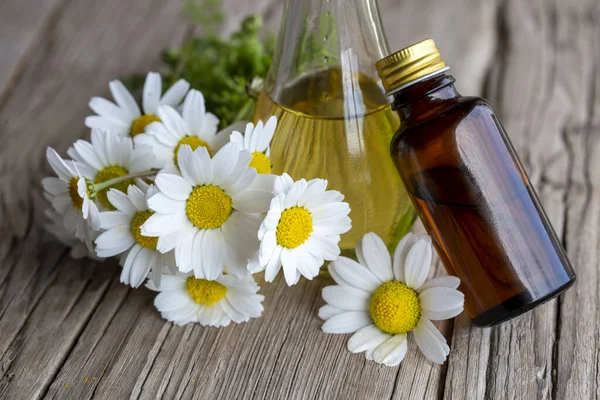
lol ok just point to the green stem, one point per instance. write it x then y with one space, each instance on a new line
106 184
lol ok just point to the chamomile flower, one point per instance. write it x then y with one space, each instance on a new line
123 236
185 299
382 300
125 117
301 230
69 195
194 127
257 140
211 214
110 156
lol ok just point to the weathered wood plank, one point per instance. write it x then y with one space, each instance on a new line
30 362
46 300
578 353
112 343
23 25
538 85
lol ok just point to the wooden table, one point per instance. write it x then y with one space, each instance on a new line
70 330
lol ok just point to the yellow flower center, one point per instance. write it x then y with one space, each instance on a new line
136 222
208 207
139 125
260 162
294 227
194 142
205 292
74 194
395 308
108 173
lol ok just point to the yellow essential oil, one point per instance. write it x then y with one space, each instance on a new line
339 128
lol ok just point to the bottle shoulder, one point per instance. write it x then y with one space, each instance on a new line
447 120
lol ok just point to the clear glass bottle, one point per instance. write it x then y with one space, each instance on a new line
335 121
471 192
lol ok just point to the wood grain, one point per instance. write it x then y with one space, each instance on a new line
70 330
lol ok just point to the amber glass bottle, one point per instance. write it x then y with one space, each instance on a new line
471 191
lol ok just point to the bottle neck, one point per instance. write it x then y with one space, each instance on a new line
424 99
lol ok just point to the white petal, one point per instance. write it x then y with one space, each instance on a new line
327 245
193 111
123 98
328 311
448 281
239 232
114 241
291 199
175 93
109 110
173 186
97 122
400 255
289 261
213 253
346 297
152 93
225 159
248 133
252 201
190 166
141 267
121 201
184 251
366 338
392 351
441 302
172 120
165 205
127 265
347 322
237 138
110 219
84 152
431 343
264 140
283 184
162 224
267 246
273 265
197 256
137 197
377 257
418 262
307 265
352 273
172 282
203 158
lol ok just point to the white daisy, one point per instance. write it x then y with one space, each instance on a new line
209 215
383 300
257 140
110 156
123 236
301 230
184 299
80 248
69 196
194 127
125 117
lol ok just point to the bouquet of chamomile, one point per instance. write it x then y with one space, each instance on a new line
191 210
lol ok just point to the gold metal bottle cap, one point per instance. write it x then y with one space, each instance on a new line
410 64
